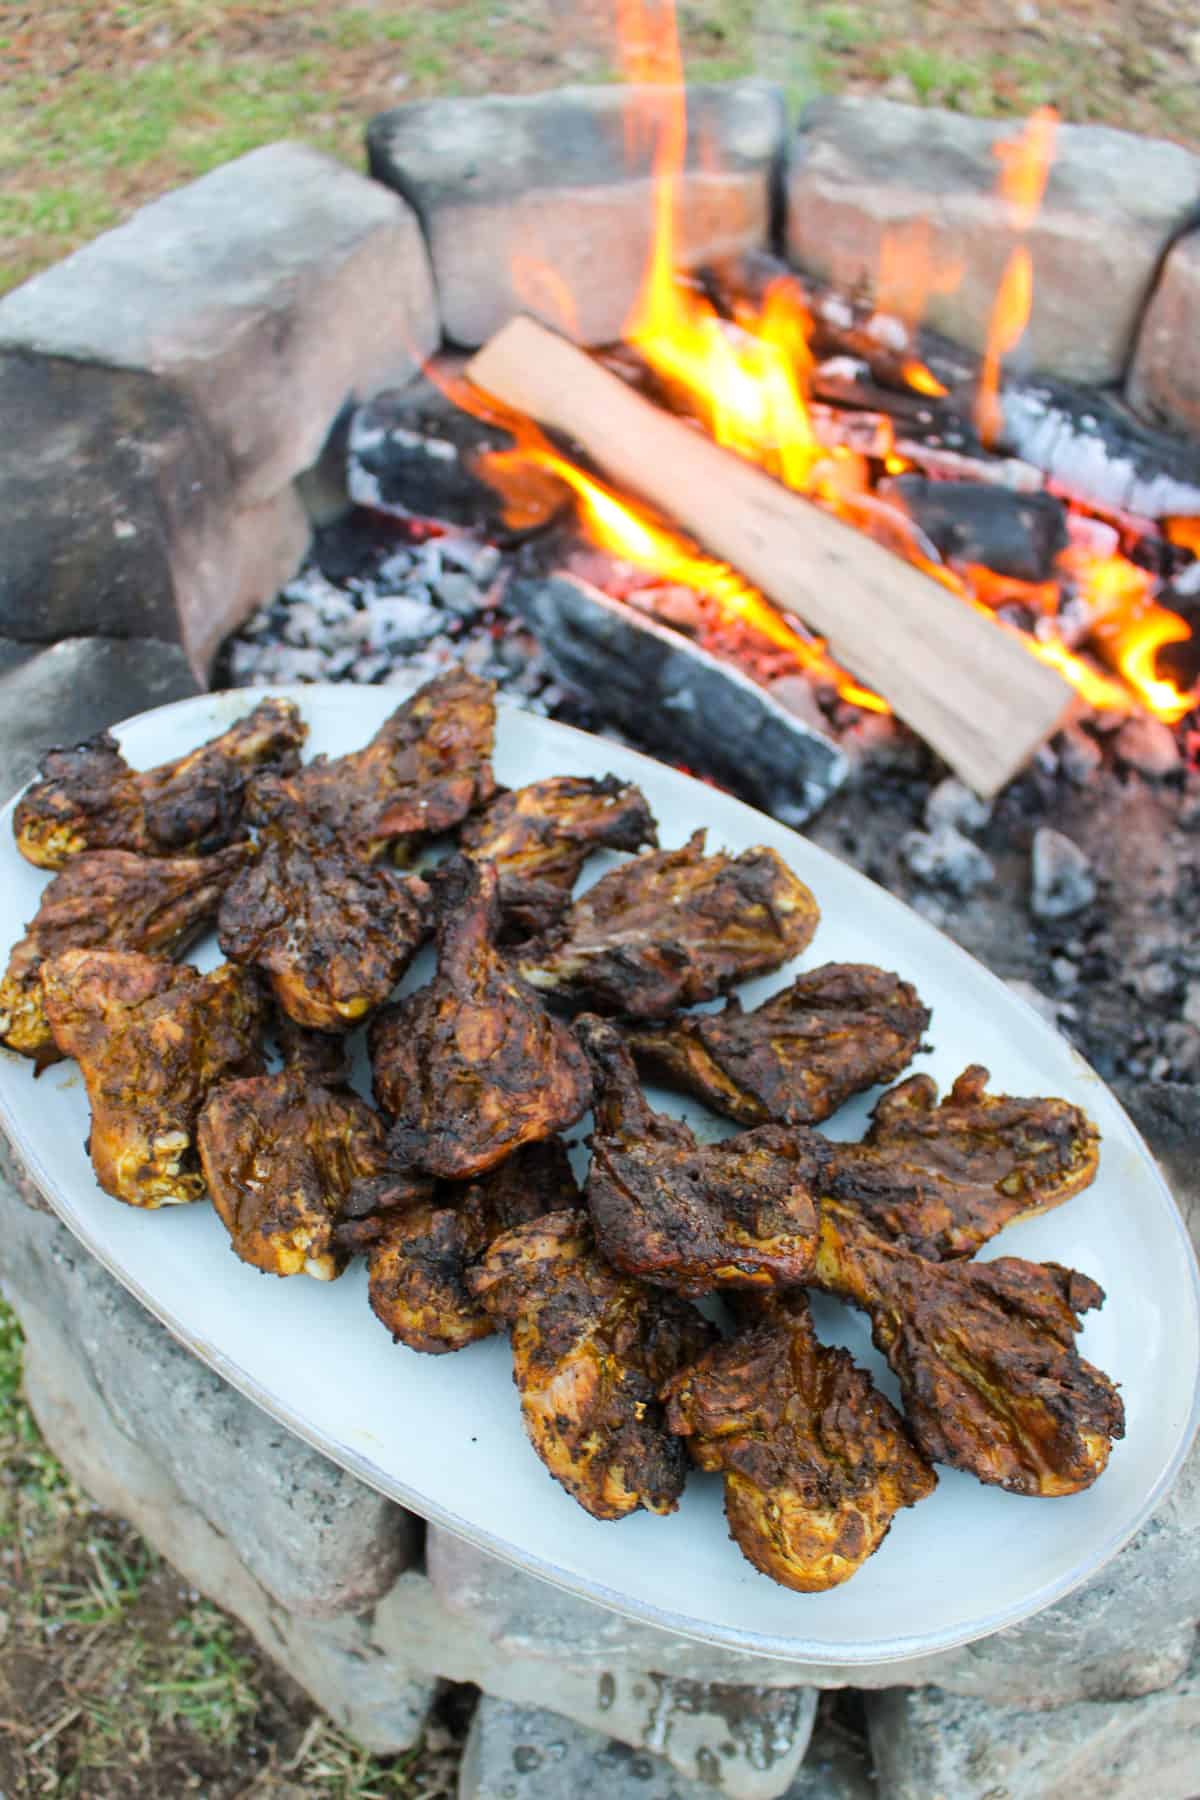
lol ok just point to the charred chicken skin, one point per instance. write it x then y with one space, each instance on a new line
943 1179
672 927
152 1040
89 798
687 1216
796 1058
591 1349
985 1355
816 1461
333 935
280 1154
117 900
540 837
472 1066
425 1237
425 769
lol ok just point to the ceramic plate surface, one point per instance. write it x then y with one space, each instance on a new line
443 1436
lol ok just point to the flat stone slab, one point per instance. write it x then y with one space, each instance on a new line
270 291
862 167
64 692
930 1743
1164 381
544 203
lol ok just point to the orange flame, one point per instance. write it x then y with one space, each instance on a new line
1025 166
1185 533
1131 628
1010 316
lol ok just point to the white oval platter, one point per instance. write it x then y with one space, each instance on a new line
443 1436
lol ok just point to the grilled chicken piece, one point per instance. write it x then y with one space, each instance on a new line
796 1058
472 1066
687 1216
425 1236
426 768
152 1040
985 1355
334 935
280 1154
816 1462
591 1349
117 900
942 1180
89 798
672 927
540 837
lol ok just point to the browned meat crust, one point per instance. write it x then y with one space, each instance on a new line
419 1251
672 927
333 934
540 837
425 769
280 1153
114 899
591 1349
687 1216
88 798
942 1180
472 1066
816 1462
152 1041
796 1058
985 1356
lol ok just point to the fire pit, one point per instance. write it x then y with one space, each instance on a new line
959 652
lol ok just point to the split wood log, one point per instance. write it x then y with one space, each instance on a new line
957 676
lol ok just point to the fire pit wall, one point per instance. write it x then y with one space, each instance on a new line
174 384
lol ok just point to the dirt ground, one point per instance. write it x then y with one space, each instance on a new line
115 1681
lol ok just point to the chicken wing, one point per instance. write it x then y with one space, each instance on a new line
88 798
425 769
280 1154
796 1058
540 837
816 1461
114 899
152 1040
472 1066
591 1349
421 1244
333 934
985 1355
671 927
687 1216
942 1180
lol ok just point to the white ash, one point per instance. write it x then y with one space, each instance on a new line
944 858
1061 878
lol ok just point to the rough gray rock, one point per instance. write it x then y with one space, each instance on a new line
1061 878
64 693
945 858
544 203
1164 381
1149 746
667 692
525 1753
930 1743
315 1539
865 166
270 291
123 516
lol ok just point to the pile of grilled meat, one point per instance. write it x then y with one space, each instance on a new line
458 1189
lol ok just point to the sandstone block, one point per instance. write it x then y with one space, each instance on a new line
61 693
270 291
863 167
544 204
1164 381
929 1743
313 1538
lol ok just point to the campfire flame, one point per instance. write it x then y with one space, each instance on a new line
747 378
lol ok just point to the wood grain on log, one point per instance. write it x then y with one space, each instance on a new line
955 675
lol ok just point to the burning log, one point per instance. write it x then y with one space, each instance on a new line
1018 535
958 678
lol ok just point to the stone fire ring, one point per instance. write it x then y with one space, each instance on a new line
176 382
